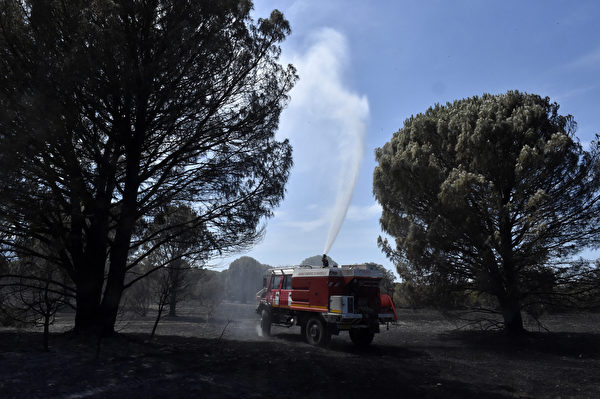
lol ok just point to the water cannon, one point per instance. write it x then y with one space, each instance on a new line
325 261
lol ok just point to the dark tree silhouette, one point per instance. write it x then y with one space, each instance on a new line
162 290
32 292
244 278
111 109
485 194
178 244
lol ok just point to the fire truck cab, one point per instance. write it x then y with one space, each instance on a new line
325 301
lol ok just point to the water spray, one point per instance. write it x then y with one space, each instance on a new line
352 147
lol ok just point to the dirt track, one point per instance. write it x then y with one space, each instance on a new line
420 357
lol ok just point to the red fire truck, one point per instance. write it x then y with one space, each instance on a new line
324 301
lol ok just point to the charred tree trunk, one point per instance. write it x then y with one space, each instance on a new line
48 311
510 300
97 311
46 331
173 304
109 308
113 291
176 285
158 316
88 297
511 313
89 274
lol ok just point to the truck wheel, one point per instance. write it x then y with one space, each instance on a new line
361 336
265 322
316 332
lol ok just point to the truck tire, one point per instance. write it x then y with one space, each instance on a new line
316 332
361 336
265 323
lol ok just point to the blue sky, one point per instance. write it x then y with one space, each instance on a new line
366 66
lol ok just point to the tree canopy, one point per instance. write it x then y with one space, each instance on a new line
485 194
244 278
110 110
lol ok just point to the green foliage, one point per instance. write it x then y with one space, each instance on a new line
386 285
421 294
244 279
481 194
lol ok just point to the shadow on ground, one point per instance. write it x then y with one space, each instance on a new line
571 344
345 346
173 366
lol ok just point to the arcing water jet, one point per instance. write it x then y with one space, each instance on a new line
351 150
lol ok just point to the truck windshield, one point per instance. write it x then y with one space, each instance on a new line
287 283
276 282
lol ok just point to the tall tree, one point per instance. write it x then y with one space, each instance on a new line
485 194
111 109
32 292
178 245
244 278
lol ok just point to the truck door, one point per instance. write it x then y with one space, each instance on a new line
285 299
275 290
